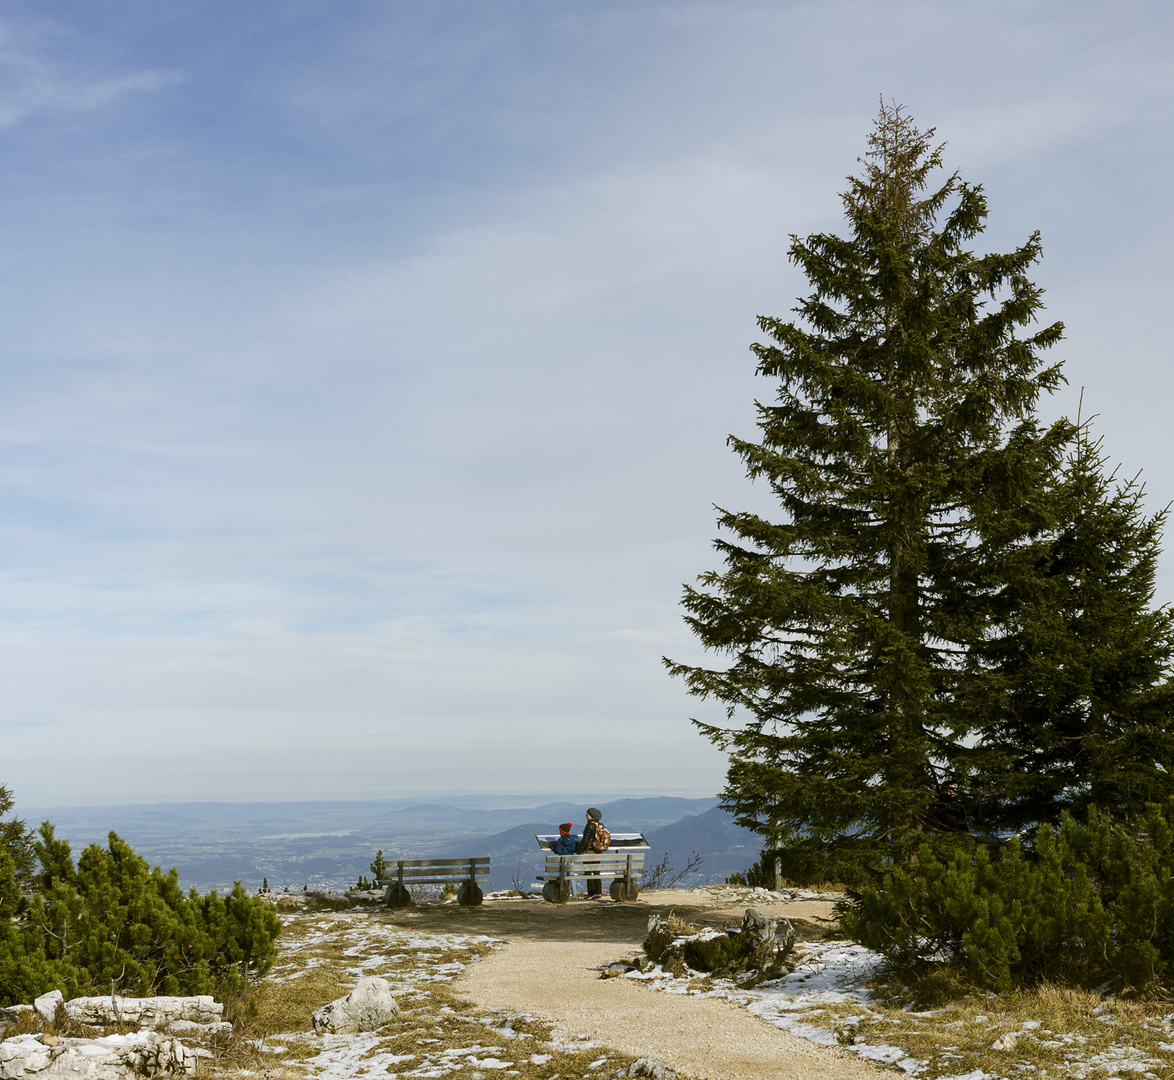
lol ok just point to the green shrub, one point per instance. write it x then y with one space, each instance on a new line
1085 905
111 924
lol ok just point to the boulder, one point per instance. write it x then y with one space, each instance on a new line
367 1007
115 1057
143 1012
47 1004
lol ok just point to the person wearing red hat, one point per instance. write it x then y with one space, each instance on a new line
565 844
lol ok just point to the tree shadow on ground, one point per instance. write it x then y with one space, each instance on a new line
579 920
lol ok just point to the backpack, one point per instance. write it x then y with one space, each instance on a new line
602 837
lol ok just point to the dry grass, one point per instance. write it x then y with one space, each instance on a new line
435 1032
1051 1029
939 1029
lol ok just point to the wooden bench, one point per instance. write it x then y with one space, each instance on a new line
463 873
622 865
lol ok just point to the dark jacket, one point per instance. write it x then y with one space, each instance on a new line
584 845
564 845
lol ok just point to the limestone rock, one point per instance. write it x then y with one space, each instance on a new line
143 1012
13 1014
114 1057
47 1004
1006 1041
367 1007
649 1068
190 1027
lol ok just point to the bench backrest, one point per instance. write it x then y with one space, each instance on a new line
436 871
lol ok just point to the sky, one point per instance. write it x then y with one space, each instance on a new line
366 368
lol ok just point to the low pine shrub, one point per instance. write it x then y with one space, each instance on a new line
1085 904
112 924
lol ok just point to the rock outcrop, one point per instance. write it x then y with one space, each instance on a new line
367 1007
115 1057
761 947
145 1053
199 1014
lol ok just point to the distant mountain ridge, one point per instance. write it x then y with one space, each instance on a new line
329 844
724 846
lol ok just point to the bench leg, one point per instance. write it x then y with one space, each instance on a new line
469 895
398 896
625 888
557 891
624 891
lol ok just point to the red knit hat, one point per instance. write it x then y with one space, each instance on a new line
566 828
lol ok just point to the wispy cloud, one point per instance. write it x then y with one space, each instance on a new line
31 81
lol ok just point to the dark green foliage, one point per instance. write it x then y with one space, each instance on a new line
378 866
111 923
717 954
1073 694
760 875
1086 905
904 451
16 843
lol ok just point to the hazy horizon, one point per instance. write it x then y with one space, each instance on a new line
490 799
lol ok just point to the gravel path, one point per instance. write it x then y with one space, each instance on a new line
705 1037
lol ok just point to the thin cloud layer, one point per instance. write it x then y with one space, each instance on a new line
366 388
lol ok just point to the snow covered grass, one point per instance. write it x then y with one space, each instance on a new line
833 998
436 1035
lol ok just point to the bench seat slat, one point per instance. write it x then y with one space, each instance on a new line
439 871
393 871
479 860
433 881
575 875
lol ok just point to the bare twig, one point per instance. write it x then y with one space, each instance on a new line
661 876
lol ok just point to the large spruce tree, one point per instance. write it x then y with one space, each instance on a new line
904 451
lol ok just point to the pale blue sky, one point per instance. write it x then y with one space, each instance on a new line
366 367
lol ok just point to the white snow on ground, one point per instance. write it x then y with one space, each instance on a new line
407 959
833 974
